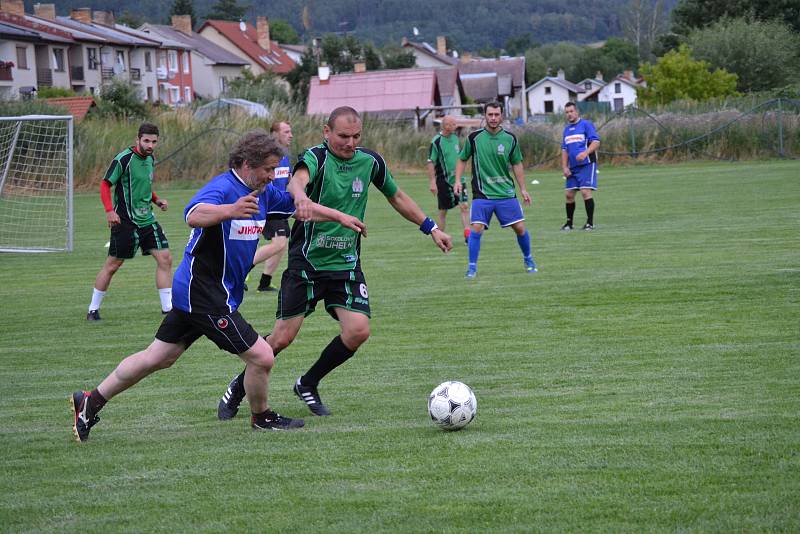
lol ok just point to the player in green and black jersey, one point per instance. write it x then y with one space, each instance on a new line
494 151
442 159
130 217
325 258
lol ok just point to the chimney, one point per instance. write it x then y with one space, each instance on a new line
598 76
82 14
106 18
441 45
404 41
360 67
628 74
14 7
262 31
182 23
560 74
45 11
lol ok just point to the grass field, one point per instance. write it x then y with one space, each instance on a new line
647 379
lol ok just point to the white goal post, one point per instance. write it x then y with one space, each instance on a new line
36 183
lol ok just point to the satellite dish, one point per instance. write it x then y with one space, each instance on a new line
416 31
242 26
455 54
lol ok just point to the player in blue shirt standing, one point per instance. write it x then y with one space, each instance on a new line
227 217
579 163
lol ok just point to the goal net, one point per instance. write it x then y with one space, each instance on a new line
35 183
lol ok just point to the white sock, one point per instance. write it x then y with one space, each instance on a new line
166 298
97 299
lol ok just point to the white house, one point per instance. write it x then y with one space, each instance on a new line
620 92
550 94
427 56
590 85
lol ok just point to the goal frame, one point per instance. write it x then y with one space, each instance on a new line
69 186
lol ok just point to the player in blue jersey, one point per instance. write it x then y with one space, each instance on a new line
579 163
277 230
227 217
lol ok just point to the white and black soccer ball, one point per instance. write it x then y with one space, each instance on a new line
452 405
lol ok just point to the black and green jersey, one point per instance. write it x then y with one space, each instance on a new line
492 157
443 154
132 178
342 185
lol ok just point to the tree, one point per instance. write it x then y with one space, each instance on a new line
518 45
678 76
227 10
299 78
283 32
182 7
131 20
396 57
614 57
763 54
265 88
535 66
692 14
643 21
565 56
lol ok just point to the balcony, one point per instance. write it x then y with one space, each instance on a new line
76 73
5 74
44 77
106 74
136 75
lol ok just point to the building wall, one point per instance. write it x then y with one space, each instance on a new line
537 97
147 78
217 38
609 94
21 77
207 76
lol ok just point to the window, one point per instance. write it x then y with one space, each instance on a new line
149 94
548 106
547 89
148 62
223 84
162 60
587 86
91 57
22 57
121 59
617 87
173 60
185 58
619 105
174 94
58 59
187 94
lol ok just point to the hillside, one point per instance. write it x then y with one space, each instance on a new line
470 25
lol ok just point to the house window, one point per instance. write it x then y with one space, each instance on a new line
548 106
185 58
121 59
187 94
149 94
174 94
547 89
173 60
148 63
617 87
162 60
619 105
223 84
22 57
91 57
587 86
58 59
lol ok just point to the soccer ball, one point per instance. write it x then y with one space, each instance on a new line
452 405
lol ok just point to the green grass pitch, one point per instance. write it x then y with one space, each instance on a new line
647 379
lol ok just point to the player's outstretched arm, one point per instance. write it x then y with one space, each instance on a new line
322 213
519 175
297 188
405 206
205 215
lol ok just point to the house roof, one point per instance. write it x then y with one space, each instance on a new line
593 81
620 78
44 32
112 35
213 52
13 32
77 106
381 91
505 66
428 50
561 82
481 87
276 60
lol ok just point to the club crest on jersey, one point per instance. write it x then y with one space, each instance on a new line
358 187
222 323
501 149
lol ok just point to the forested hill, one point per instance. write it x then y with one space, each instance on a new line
469 24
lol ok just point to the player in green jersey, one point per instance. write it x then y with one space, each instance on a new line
442 159
130 217
325 258
494 151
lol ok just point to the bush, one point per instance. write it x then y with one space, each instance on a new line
54 92
122 100
265 88
16 108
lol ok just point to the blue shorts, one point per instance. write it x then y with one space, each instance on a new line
583 177
507 210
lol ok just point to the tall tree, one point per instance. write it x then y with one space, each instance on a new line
183 7
299 78
765 55
283 32
643 21
691 14
227 10
396 57
678 76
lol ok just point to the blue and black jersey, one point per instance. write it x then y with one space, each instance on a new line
210 278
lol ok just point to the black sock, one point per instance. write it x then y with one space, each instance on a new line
589 203
334 355
266 280
96 401
570 212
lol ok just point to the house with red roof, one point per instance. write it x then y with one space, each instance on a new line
253 44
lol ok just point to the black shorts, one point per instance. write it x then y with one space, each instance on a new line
447 197
127 238
299 294
276 227
229 332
